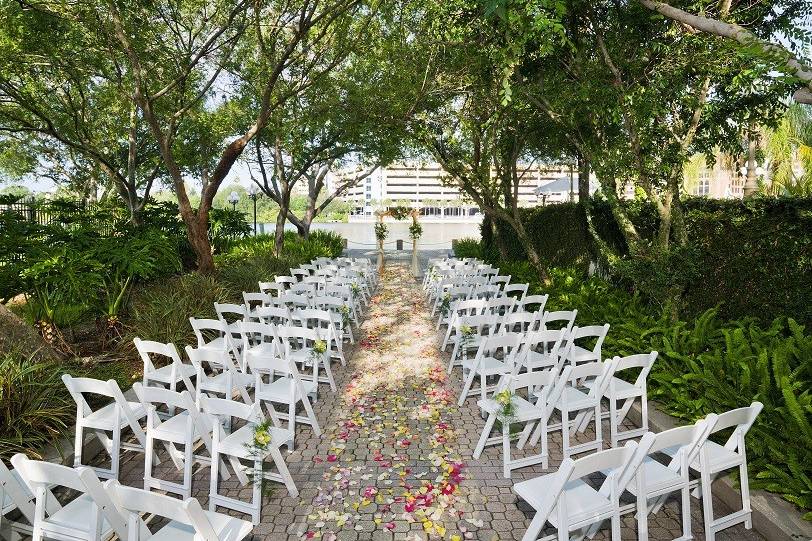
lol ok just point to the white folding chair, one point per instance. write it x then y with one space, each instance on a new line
238 447
621 389
285 281
527 413
541 350
500 306
113 418
467 307
713 459
570 397
254 300
217 335
469 333
323 322
654 480
274 315
495 357
501 280
569 502
293 302
217 374
579 354
90 516
521 322
170 374
15 496
187 521
298 345
342 316
186 428
266 363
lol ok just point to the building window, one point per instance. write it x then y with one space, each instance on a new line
703 186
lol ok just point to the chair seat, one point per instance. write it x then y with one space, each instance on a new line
489 365
580 355
173 429
105 418
658 477
582 501
227 529
576 399
265 349
623 389
719 458
525 410
77 516
218 382
7 503
281 389
239 442
164 374
535 360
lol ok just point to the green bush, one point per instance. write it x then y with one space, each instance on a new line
160 310
35 408
467 248
712 365
746 258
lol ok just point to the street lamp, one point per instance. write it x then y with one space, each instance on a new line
254 194
233 198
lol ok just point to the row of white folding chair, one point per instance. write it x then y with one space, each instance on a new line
341 291
102 511
567 501
512 313
203 425
575 388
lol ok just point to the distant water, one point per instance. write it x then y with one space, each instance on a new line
436 236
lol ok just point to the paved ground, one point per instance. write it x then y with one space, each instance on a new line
394 461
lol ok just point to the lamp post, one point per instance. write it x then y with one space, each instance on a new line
254 194
234 198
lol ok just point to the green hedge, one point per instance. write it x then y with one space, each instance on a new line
748 258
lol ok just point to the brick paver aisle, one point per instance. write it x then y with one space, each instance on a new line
394 462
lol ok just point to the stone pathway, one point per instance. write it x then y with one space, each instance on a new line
394 462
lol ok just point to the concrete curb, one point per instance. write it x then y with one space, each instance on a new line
773 517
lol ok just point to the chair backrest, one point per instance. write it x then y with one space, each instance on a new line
500 305
532 303
274 315
236 311
20 496
290 300
149 348
306 289
598 332
135 501
285 280
207 330
549 342
510 289
256 333
507 344
567 317
741 419
252 300
270 288
601 371
216 361
496 279
643 361
517 322
41 477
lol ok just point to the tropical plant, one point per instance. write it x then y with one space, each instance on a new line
34 407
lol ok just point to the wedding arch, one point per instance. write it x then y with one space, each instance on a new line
415 231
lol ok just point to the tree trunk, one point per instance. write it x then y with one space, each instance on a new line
279 234
583 178
197 230
532 253
500 243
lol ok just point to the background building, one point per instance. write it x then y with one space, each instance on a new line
420 185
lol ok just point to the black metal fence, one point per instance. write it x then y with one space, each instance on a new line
65 214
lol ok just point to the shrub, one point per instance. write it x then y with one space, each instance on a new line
35 408
745 257
160 311
467 248
227 226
